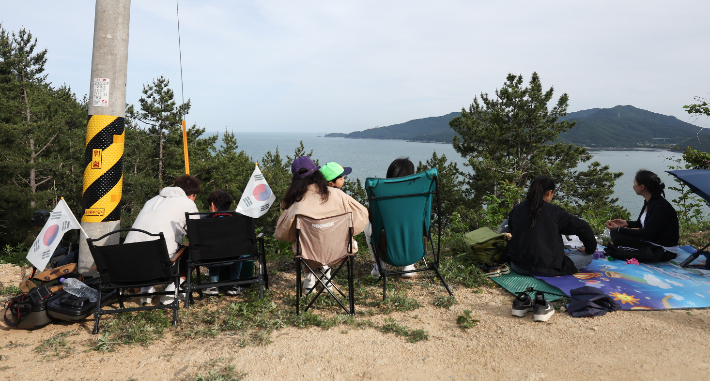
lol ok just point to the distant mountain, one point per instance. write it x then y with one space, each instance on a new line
432 129
628 127
616 127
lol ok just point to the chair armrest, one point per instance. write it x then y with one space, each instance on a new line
179 253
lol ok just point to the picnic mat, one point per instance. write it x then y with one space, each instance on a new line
515 283
648 286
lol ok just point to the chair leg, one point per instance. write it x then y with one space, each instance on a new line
188 287
176 301
384 286
298 287
436 268
97 311
351 285
120 297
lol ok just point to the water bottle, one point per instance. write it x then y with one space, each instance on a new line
79 289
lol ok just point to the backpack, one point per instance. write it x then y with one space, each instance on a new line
486 246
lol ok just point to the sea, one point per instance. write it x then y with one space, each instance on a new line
371 157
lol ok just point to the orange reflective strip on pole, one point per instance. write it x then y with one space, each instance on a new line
184 145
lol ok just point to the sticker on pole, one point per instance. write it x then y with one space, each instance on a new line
96 159
100 97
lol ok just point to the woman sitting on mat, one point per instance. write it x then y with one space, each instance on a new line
536 246
656 227
309 195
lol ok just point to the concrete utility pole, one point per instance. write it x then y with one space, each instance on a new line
103 158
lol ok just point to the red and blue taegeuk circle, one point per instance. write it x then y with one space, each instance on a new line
262 192
50 235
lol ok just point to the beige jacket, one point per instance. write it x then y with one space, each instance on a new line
312 206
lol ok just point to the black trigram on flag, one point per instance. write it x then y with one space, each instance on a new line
258 177
247 201
265 207
56 215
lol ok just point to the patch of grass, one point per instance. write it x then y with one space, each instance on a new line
133 328
465 321
445 301
55 346
9 290
412 335
217 370
464 271
4 368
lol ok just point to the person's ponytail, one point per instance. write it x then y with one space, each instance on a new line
651 181
536 193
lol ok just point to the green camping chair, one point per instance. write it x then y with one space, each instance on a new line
400 214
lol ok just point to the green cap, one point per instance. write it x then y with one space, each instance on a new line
332 171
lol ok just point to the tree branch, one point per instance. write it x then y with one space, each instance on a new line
47 145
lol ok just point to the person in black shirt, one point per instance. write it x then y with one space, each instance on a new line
656 227
536 226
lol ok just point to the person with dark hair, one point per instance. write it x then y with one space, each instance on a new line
166 213
309 195
221 201
335 173
536 228
398 168
656 227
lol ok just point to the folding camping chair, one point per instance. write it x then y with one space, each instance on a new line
321 242
222 241
400 214
138 264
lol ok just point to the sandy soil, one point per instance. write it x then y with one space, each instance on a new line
648 345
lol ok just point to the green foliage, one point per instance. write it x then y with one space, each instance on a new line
15 254
700 108
133 328
9 290
450 186
463 270
445 301
511 138
465 321
55 347
412 335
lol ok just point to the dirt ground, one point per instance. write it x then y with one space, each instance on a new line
647 345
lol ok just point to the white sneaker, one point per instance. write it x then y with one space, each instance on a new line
168 299
309 283
211 291
409 268
146 300
327 277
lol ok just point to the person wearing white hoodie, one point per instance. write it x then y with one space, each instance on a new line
166 213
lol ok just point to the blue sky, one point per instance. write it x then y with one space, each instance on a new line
341 66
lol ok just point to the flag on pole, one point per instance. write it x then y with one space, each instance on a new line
257 197
60 221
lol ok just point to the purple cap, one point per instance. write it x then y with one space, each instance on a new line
303 162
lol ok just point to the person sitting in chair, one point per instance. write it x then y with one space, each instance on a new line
536 228
309 195
166 213
221 201
656 227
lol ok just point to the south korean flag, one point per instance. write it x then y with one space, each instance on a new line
257 197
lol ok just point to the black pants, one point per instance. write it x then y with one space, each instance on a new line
625 247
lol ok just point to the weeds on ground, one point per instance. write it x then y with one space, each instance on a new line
465 321
412 335
15 255
55 346
133 328
9 290
219 370
445 301
462 270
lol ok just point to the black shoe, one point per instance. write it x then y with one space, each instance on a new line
542 309
522 305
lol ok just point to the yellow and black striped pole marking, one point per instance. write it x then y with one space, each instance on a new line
103 168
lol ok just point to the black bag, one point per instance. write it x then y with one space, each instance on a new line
28 311
65 306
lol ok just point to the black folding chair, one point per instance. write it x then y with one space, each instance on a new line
325 241
223 241
129 265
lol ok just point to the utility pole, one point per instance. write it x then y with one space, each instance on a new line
103 158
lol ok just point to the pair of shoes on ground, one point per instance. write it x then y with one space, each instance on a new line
310 281
164 299
376 271
231 291
495 270
542 309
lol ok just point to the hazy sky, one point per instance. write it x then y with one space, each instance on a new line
341 66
